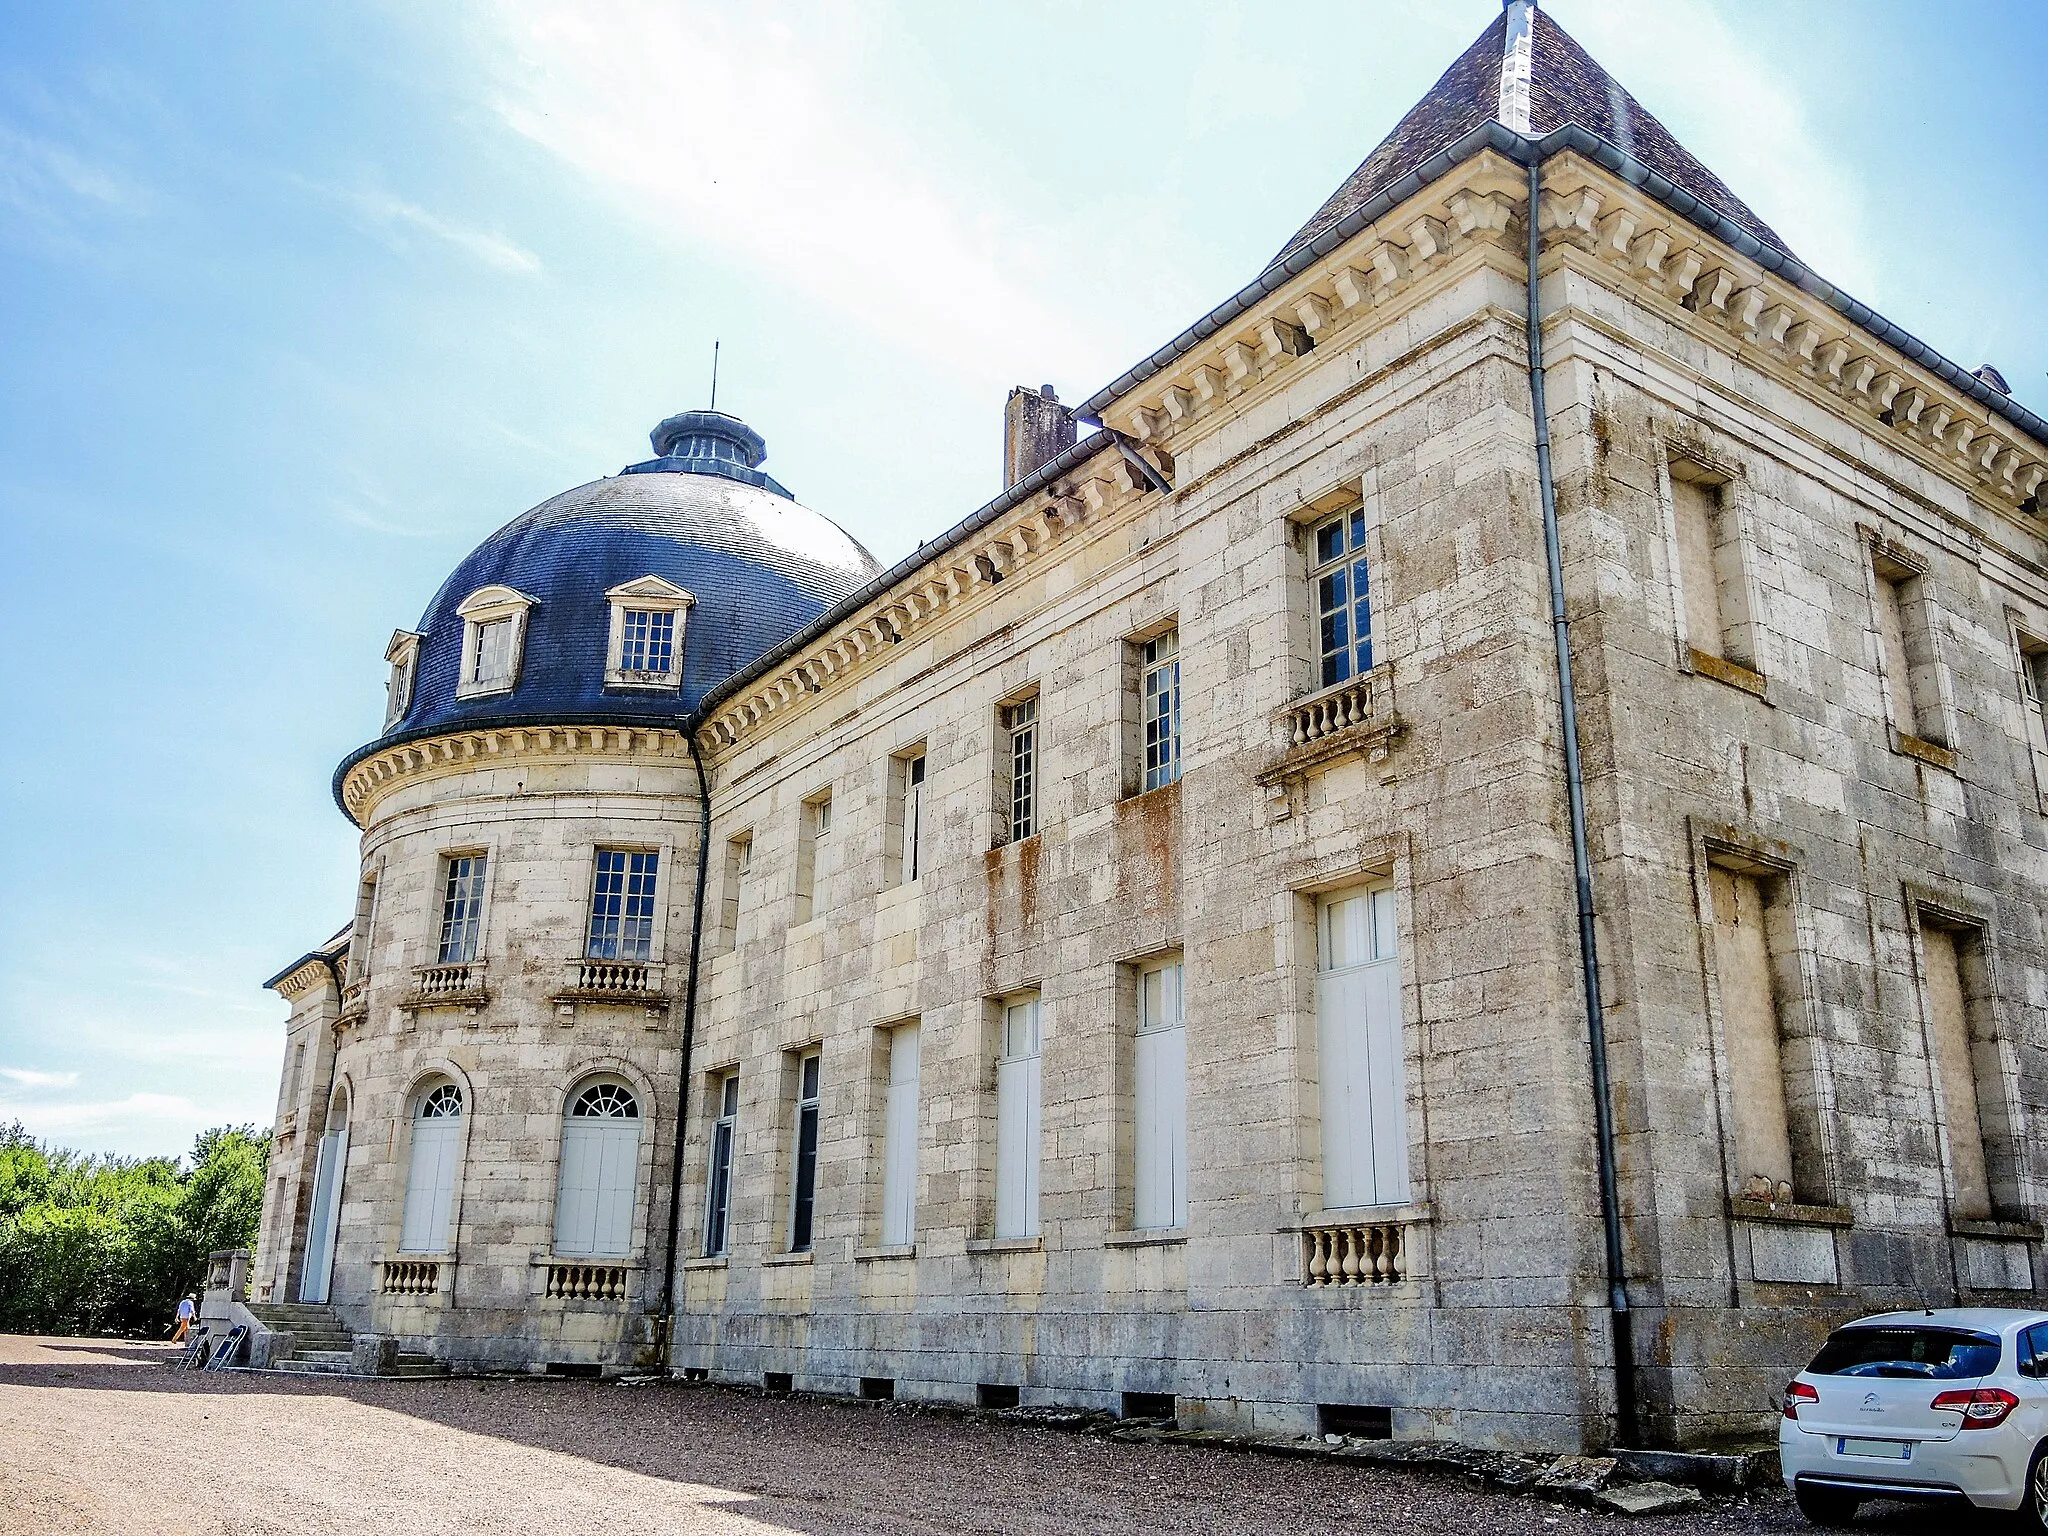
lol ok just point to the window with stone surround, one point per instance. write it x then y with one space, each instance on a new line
813 829
1019 1116
493 640
1158 660
462 907
1715 615
600 1172
803 1179
2031 654
899 1136
1907 621
1343 598
725 1095
904 850
1360 1052
1775 1089
1976 1106
739 860
403 653
622 909
1017 769
645 649
1159 1100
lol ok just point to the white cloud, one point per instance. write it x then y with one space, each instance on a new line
142 1124
753 141
391 218
52 190
29 1077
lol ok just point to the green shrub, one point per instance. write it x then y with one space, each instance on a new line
108 1244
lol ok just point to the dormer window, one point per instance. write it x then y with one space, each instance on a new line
493 639
404 654
646 647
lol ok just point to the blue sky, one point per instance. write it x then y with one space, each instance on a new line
298 303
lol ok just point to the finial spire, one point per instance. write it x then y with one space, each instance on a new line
714 373
1517 66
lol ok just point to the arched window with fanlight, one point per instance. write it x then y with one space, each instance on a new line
430 1182
600 1168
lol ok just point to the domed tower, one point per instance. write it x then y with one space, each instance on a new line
492 1180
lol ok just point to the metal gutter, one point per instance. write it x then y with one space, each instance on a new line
1524 151
1582 864
675 1180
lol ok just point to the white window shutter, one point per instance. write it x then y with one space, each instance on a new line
1018 1096
899 1140
430 1186
1360 1046
1161 1143
576 1193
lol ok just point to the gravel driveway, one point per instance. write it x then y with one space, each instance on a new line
100 1436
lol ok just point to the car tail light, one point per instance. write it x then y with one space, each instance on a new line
1985 1408
1795 1394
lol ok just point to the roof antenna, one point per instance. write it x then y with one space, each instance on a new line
714 373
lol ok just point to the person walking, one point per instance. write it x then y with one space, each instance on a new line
188 1309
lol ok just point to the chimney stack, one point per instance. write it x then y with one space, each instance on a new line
1036 430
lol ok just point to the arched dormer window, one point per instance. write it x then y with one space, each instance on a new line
404 655
493 640
646 646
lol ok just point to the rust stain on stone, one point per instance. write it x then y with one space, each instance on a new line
1148 847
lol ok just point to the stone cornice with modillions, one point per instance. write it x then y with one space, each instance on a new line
1010 546
1480 205
461 750
296 983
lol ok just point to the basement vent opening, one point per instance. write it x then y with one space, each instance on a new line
991 1394
1148 1405
1355 1421
695 1373
574 1368
878 1389
777 1381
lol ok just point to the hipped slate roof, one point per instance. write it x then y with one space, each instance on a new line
1567 85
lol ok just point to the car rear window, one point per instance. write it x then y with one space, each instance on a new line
1935 1354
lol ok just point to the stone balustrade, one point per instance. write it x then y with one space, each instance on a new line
1324 714
1361 1253
587 1282
636 979
411 1277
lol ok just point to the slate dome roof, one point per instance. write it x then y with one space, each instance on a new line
703 516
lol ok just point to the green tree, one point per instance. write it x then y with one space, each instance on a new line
109 1244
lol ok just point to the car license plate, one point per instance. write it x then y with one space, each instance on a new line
1890 1450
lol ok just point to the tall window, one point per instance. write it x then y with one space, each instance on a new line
804 1181
906 829
1159 689
739 858
1020 724
814 825
718 1196
430 1181
899 1140
1018 1119
622 905
1906 636
1966 1066
2033 659
1343 598
647 641
600 1170
462 908
1358 1040
1748 951
493 662
1160 1084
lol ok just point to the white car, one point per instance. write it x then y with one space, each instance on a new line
1922 1405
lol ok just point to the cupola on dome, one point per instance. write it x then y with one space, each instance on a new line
695 559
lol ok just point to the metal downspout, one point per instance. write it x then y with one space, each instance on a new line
675 1178
1582 864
